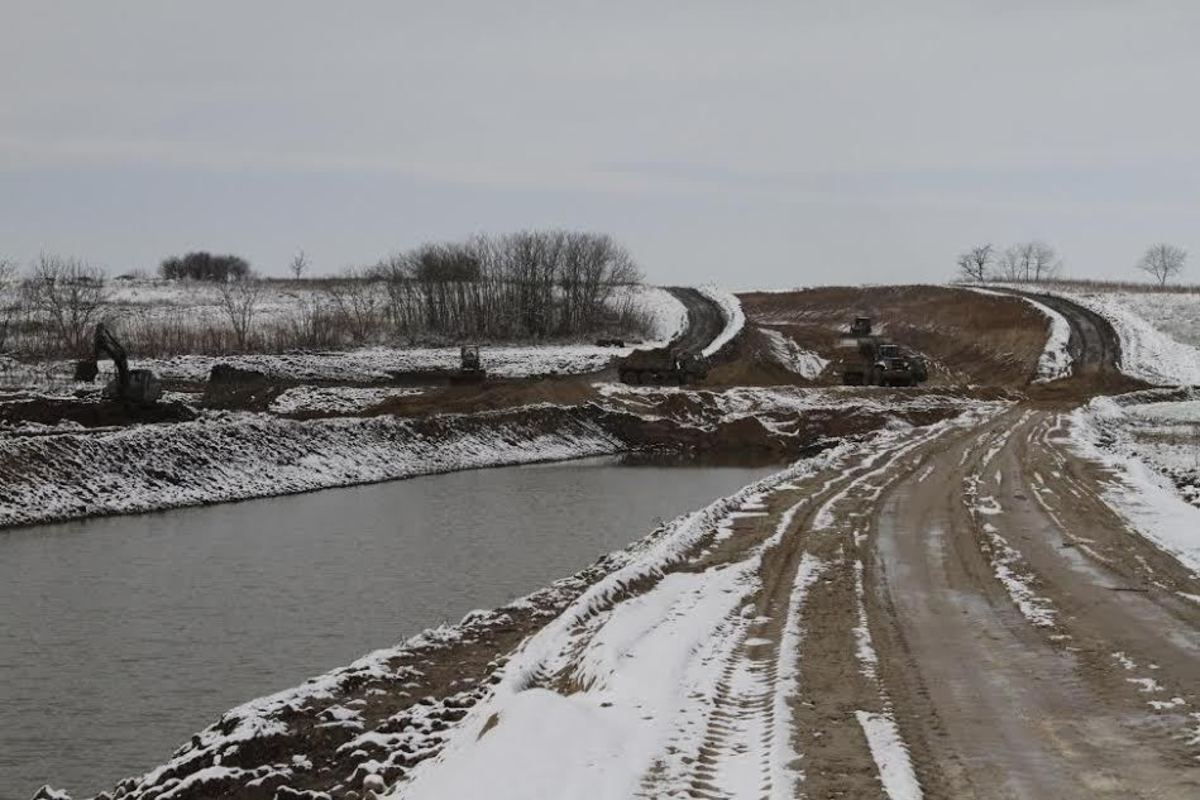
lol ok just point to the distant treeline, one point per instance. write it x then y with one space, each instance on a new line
202 266
527 286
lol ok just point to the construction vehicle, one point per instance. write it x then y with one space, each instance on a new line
861 326
663 366
470 366
139 387
468 356
878 362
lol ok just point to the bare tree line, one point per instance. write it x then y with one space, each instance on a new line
1036 261
1032 261
527 286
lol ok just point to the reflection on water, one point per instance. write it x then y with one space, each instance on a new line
120 637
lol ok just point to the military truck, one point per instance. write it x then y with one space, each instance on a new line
877 362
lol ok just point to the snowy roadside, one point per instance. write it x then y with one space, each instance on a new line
1141 491
1055 361
1159 332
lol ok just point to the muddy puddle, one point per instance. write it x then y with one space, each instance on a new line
122 636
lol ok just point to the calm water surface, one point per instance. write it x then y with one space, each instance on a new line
120 637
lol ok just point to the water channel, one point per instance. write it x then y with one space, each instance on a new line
121 636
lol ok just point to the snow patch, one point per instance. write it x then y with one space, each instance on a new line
891 756
731 310
784 350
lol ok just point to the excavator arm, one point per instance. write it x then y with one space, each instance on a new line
104 343
139 386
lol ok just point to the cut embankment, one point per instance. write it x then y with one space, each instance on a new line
965 336
154 467
1055 361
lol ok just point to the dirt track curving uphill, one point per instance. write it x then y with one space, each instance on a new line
705 320
1095 347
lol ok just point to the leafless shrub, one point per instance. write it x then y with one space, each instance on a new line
239 300
1163 262
68 296
357 300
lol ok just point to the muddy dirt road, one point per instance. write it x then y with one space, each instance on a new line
953 613
705 320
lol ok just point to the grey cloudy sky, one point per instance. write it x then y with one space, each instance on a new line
755 144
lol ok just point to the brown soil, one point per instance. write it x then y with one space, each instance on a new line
91 413
968 337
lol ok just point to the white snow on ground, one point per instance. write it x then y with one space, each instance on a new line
650 666
731 309
334 399
669 314
377 363
1143 497
891 756
804 363
1055 361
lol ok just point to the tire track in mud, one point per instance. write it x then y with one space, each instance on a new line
794 663
705 319
1002 705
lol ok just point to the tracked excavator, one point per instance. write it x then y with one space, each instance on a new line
139 387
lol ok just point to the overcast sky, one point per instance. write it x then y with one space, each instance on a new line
753 144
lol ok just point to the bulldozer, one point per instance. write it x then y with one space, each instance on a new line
139 387
879 362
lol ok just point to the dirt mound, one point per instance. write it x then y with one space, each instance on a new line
966 336
488 397
91 413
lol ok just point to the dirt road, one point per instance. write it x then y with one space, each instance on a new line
953 613
705 320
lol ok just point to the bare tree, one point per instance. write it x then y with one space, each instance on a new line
974 264
1043 261
1030 261
239 299
69 295
299 265
1163 262
9 303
